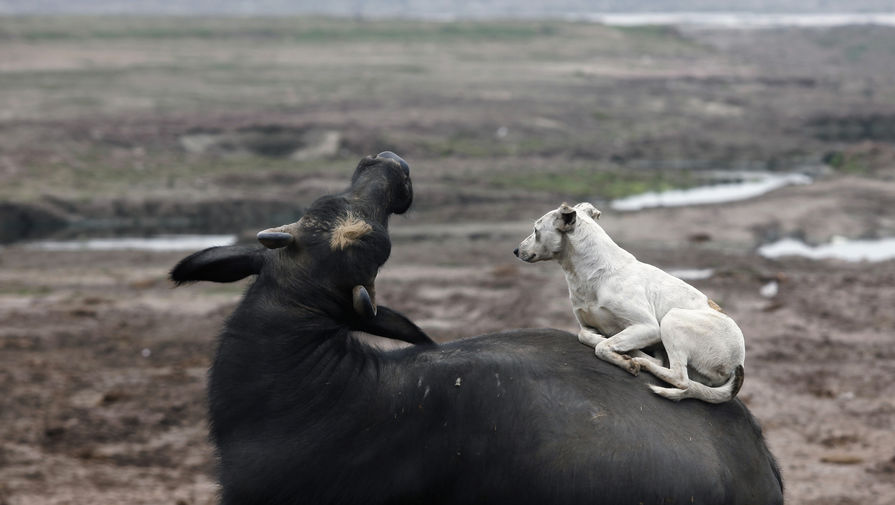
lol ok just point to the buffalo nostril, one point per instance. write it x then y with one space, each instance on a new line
516 252
392 156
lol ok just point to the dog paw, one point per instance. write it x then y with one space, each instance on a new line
633 367
640 362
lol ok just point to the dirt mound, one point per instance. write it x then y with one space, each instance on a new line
273 141
27 221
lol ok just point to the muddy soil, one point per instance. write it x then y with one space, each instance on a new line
190 125
103 363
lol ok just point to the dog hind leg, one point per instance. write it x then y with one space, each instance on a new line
674 329
675 374
720 394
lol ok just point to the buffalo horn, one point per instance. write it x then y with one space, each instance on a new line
364 305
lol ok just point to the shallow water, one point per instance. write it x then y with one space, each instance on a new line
753 184
691 274
740 20
843 249
158 243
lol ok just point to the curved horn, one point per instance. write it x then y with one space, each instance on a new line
279 237
364 303
274 239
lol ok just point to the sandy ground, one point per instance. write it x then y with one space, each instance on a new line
103 363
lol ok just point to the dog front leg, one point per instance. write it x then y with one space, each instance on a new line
633 338
589 336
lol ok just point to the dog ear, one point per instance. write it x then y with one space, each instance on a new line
566 220
589 209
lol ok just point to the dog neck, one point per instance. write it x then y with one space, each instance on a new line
590 252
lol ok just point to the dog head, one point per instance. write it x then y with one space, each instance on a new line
548 239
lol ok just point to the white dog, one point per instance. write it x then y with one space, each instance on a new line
636 305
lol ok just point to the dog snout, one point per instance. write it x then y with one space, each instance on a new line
516 252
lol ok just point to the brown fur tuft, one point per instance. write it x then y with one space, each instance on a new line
347 231
715 306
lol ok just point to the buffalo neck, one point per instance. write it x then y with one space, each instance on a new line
285 358
368 200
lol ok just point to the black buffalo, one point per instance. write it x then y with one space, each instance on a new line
303 413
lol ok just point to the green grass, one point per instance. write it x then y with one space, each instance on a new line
296 29
657 38
650 31
24 290
464 146
855 52
483 142
94 172
849 164
590 182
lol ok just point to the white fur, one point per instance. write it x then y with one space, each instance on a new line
624 305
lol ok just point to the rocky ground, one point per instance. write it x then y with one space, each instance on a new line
138 128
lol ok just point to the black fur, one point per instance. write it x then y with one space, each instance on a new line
301 413
391 324
219 264
380 186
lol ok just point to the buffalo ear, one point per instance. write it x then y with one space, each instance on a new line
566 220
219 264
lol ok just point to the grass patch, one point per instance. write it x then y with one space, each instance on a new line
301 29
854 164
464 146
25 290
101 173
590 182
485 143
650 31
658 38
855 52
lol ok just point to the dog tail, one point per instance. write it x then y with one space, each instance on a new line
700 391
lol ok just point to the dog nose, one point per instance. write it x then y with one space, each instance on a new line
516 252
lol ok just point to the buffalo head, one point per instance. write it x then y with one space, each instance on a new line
333 252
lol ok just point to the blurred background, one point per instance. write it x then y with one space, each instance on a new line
747 147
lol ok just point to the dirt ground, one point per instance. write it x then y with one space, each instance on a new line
103 363
136 126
